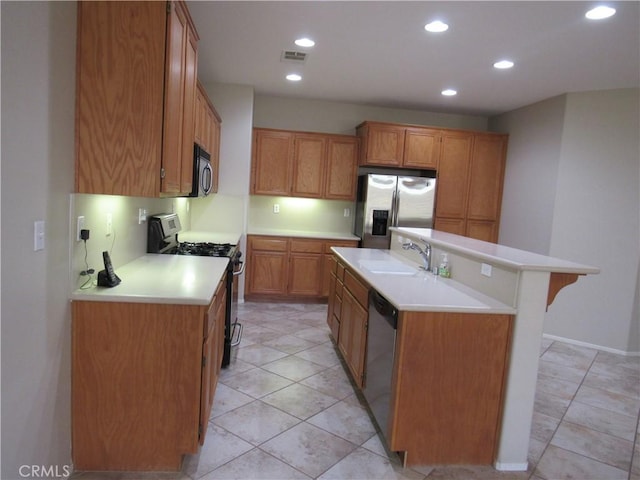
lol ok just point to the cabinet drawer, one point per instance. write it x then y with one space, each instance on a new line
359 291
306 246
340 271
269 244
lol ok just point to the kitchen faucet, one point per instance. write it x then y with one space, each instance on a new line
425 254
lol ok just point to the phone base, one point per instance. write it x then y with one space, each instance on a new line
104 280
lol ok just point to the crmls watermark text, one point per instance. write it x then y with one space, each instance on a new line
44 471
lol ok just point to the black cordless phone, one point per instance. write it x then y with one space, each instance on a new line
107 277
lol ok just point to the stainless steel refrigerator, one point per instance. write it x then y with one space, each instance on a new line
392 201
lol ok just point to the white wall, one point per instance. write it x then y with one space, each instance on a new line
38 85
586 144
535 135
342 118
596 218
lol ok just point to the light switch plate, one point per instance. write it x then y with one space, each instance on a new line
38 235
486 269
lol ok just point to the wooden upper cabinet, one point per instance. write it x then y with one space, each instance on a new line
271 165
487 174
382 144
453 174
395 145
129 124
421 148
342 168
302 164
207 130
309 165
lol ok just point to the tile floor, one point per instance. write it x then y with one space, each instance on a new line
285 409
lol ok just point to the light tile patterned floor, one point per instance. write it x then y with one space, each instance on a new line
285 409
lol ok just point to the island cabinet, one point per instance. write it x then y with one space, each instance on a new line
303 164
469 189
135 98
448 387
207 131
289 267
143 381
394 145
348 316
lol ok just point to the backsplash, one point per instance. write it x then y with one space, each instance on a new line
300 214
128 238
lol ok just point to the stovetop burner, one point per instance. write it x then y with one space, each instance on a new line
206 249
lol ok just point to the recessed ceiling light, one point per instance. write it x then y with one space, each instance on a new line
436 27
305 42
294 77
600 12
449 92
503 64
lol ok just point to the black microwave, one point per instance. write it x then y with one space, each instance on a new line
202 173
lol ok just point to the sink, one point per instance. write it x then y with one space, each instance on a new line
388 267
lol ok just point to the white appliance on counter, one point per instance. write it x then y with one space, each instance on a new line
385 201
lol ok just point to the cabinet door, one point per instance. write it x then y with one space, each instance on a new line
188 117
421 148
119 97
482 230
271 166
268 273
487 175
342 168
173 137
309 165
384 145
451 225
346 324
453 174
359 321
305 274
215 152
199 113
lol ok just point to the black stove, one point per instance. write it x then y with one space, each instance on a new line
162 237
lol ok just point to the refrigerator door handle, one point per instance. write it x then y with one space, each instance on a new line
397 209
392 219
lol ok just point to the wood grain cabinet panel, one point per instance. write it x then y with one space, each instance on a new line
207 131
290 267
382 144
135 363
487 177
304 164
453 175
272 162
421 148
130 93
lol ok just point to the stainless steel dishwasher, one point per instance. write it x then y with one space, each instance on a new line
381 342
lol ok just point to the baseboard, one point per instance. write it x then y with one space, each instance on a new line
511 467
591 345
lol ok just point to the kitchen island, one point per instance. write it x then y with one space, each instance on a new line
146 356
511 286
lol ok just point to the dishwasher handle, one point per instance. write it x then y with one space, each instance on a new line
384 308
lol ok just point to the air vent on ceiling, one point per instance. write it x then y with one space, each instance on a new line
293 56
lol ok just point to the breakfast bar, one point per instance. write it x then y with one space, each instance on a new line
498 292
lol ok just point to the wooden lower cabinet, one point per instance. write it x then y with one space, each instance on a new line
448 379
143 381
289 267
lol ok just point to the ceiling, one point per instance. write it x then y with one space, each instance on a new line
378 53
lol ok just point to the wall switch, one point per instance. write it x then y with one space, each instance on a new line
109 224
276 208
79 227
485 269
38 235
347 212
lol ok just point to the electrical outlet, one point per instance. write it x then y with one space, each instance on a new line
79 227
485 269
276 208
142 215
109 224
347 212
38 235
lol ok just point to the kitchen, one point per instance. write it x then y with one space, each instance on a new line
45 122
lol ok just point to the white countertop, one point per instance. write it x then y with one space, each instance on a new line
156 278
415 289
303 234
497 254
213 237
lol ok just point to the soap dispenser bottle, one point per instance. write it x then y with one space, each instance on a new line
444 270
